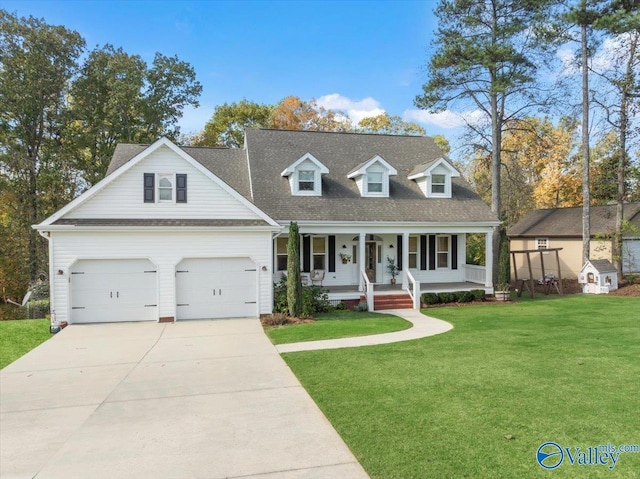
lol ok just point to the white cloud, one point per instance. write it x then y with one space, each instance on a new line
356 110
446 119
568 60
603 60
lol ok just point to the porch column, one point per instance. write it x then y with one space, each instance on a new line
361 259
405 260
488 262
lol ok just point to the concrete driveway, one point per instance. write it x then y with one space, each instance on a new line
194 399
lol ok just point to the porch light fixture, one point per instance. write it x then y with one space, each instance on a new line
344 246
390 246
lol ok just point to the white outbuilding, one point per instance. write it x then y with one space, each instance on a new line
598 276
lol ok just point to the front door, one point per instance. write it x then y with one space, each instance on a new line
371 260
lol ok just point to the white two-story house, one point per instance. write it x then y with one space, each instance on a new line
175 233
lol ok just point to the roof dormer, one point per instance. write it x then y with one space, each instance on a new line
434 178
372 177
305 176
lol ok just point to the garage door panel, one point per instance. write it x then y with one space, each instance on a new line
113 290
216 288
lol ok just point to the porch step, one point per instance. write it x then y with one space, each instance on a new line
392 301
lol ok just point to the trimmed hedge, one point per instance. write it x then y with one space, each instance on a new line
430 298
453 297
478 294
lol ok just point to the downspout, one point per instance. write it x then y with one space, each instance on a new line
54 327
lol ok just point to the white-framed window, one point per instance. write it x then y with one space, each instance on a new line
165 188
542 243
443 243
413 251
319 252
438 184
306 180
281 253
374 182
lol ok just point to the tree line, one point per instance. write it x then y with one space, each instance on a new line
62 111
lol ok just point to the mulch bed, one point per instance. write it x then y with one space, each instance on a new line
626 290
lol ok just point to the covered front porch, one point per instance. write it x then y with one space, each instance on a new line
418 259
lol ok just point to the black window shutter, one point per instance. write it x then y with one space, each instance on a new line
423 252
332 254
432 251
306 254
454 251
399 247
181 188
149 187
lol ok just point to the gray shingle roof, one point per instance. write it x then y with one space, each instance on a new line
423 166
158 222
603 265
271 151
567 222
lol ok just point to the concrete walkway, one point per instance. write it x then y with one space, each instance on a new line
423 326
194 399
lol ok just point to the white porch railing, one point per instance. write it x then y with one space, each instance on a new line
368 290
413 289
475 274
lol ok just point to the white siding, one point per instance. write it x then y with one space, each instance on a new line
163 248
123 198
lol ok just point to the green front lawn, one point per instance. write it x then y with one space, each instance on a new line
19 337
564 370
337 324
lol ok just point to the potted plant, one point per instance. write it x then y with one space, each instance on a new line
345 258
392 269
501 291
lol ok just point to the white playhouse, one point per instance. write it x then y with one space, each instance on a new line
598 276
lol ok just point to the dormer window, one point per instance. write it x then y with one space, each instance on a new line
438 184
305 176
372 177
434 178
306 180
374 182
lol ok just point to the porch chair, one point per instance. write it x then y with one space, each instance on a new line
317 275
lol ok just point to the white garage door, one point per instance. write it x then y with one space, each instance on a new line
108 290
216 288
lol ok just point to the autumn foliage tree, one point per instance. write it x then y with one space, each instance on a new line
540 168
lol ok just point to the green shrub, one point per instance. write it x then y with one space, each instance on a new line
464 296
340 306
280 304
35 309
362 307
447 297
478 294
430 298
314 299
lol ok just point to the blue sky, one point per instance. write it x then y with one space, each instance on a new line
360 56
